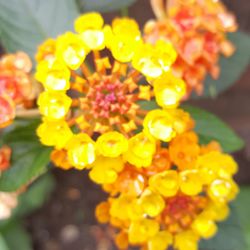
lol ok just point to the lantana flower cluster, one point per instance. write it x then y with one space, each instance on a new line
197 29
79 105
165 189
15 85
173 201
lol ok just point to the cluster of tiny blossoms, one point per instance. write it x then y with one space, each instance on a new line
197 29
173 201
15 85
164 188
92 110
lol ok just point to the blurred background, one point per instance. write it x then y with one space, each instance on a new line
66 221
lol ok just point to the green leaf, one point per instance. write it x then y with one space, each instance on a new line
32 199
229 237
29 158
242 205
35 196
104 5
26 23
232 67
210 127
16 237
3 244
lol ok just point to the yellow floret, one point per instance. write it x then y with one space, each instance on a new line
159 124
191 182
91 20
223 190
71 50
141 150
187 240
81 151
54 133
105 170
53 74
161 241
54 105
169 90
204 227
151 202
142 230
112 144
166 183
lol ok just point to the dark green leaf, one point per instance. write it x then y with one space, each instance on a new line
16 237
29 157
229 237
104 5
210 127
24 24
232 67
242 205
36 195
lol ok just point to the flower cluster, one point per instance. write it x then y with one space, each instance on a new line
15 85
197 29
174 200
5 154
165 189
8 201
93 89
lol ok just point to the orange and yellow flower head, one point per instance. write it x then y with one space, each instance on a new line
16 89
174 199
94 83
165 189
197 30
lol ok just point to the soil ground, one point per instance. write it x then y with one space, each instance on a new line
66 221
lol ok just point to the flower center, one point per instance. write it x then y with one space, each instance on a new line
181 210
108 99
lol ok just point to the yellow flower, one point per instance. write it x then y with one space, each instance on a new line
169 90
141 150
204 227
46 50
216 211
123 38
105 170
71 49
161 241
191 182
130 208
91 20
81 151
217 164
151 202
112 144
164 125
154 60
102 212
141 231
89 26
166 183
54 133
186 240
223 190
54 105
53 74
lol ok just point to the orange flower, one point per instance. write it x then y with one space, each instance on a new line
197 29
5 154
